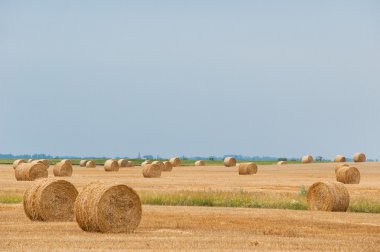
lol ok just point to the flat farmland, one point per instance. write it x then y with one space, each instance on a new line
206 228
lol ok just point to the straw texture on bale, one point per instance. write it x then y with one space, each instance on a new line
66 161
229 162
340 166
199 163
130 164
339 159
176 161
348 175
328 197
50 200
146 162
360 157
160 164
17 162
247 168
90 164
167 166
42 161
30 171
63 169
151 171
108 208
307 159
282 162
122 163
111 165
82 163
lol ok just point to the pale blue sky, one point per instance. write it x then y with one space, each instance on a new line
114 78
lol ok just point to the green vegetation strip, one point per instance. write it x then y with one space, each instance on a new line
295 201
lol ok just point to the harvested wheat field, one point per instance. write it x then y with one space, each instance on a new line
176 228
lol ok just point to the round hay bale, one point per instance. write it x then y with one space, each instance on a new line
229 162
328 197
151 171
108 208
199 163
167 166
122 163
339 159
359 157
111 165
130 164
175 161
63 169
160 164
30 171
17 162
348 175
282 162
307 159
340 166
30 160
90 164
247 168
50 200
45 162
82 163
66 161
146 162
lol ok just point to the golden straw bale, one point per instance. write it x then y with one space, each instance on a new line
247 168
360 157
339 159
348 175
340 166
17 162
151 171
111 165
30 171
66 161
229 162
90 164
50 200
63 169
122 163
282 162
108 208
82 163
307 159
199 163
328 197
42 161
167 166
176 161
160 164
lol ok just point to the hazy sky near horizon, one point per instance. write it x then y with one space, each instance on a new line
115 78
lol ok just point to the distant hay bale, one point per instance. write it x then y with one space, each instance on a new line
146 162
63 169
167 166
348 175
42 161
151 171
90 164
111 165
307 159
108 208
339 159
50 200
229 162
360 157
160 164
282 162
30 160
82 163
122 163
247 168
328 197
17 162
340 166
199 163
130 164
30 171
176 161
